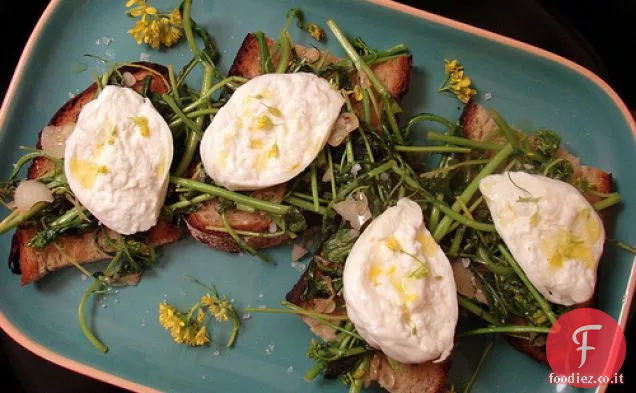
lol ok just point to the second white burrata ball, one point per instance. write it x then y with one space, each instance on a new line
270 130
118 158
399 287
551 230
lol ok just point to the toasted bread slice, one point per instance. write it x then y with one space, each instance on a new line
395 74
477 124
34 264
427 377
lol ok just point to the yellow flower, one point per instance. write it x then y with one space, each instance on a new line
154 28
216 306
450 66
169 317
175 17
201 338
456 82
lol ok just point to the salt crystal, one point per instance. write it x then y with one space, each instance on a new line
270 349
216 353
143 56
104 305
84 277
487 96
272 227
71 94
116 300
298 266
290 369
262 307
260 295
465 262
232 300
107 40
98 42
247 316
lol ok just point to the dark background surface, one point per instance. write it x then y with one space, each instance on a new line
596 34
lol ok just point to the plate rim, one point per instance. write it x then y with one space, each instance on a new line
82 368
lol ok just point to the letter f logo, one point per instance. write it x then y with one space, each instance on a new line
584 347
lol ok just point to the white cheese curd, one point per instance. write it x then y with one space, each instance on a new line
270 130
399 287
550 229
118 158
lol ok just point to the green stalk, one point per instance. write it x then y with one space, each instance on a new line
366 106
186 70
449 168
545 306
308 197
296 312
314 186
173 84
82 320
357 61
432 149
457 240
258 204
207 94
183 204
470 190
611 200
180 114
82 306
435 213
242 243
467 305
508 132
67 217
459 141
187 29
23 161
333 176
16 217
349 150
430 117
193 115
483 256
362 67
482 359
505 329
262 235
306 205
313 372
265 59
285 51
372 173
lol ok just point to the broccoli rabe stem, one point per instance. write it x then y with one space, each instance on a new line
503 154
94 287
364 68
545 306
17 217
258 204
505 329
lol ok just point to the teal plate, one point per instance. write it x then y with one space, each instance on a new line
530 87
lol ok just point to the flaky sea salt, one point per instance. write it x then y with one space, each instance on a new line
270 349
